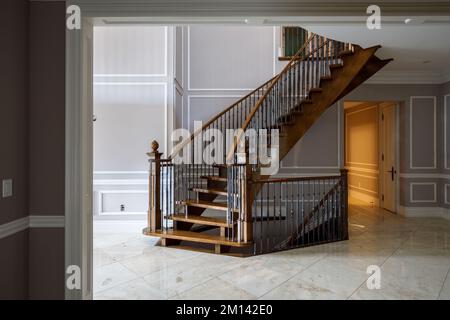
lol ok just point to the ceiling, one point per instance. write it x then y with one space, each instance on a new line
420 48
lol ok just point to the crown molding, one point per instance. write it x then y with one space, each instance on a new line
255 8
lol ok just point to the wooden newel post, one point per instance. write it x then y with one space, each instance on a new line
154 188
344 203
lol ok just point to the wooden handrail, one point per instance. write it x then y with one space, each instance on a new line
291 179
180 146
295 59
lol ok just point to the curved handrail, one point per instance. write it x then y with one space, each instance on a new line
182 144
301 55
298 57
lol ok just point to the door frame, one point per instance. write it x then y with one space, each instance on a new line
397 154
397 145
76 175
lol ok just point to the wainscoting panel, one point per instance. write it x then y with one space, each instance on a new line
422 126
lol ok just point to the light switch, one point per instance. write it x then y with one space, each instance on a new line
7 187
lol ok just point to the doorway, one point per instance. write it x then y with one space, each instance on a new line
371 152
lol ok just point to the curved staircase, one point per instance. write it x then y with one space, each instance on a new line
233 204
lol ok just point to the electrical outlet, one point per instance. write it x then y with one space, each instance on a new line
7 188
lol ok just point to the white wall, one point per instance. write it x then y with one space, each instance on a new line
132 105
220 64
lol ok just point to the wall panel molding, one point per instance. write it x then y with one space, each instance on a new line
445 132
446 200
411 160
143 75
411 192
189 86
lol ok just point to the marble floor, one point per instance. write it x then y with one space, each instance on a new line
413 254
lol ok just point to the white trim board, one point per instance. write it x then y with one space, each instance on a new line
424 176
33 221
445 131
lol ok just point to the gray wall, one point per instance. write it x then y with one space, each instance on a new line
32 136
13 142
47 146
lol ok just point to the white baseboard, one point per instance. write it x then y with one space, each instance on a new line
33 221
424 212
363 197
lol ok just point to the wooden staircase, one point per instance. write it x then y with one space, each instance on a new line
225 205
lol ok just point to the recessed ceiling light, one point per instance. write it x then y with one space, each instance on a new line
408 20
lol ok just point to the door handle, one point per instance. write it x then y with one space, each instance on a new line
392 171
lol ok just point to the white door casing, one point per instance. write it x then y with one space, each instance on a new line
388 172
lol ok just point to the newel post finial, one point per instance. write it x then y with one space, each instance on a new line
154 153
155 146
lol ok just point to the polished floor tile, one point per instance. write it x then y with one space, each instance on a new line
413 256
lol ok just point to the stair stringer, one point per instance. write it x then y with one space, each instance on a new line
331 92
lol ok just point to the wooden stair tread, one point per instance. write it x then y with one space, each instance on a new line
221 192
195 237
315 90
209 221
214 178
206 204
